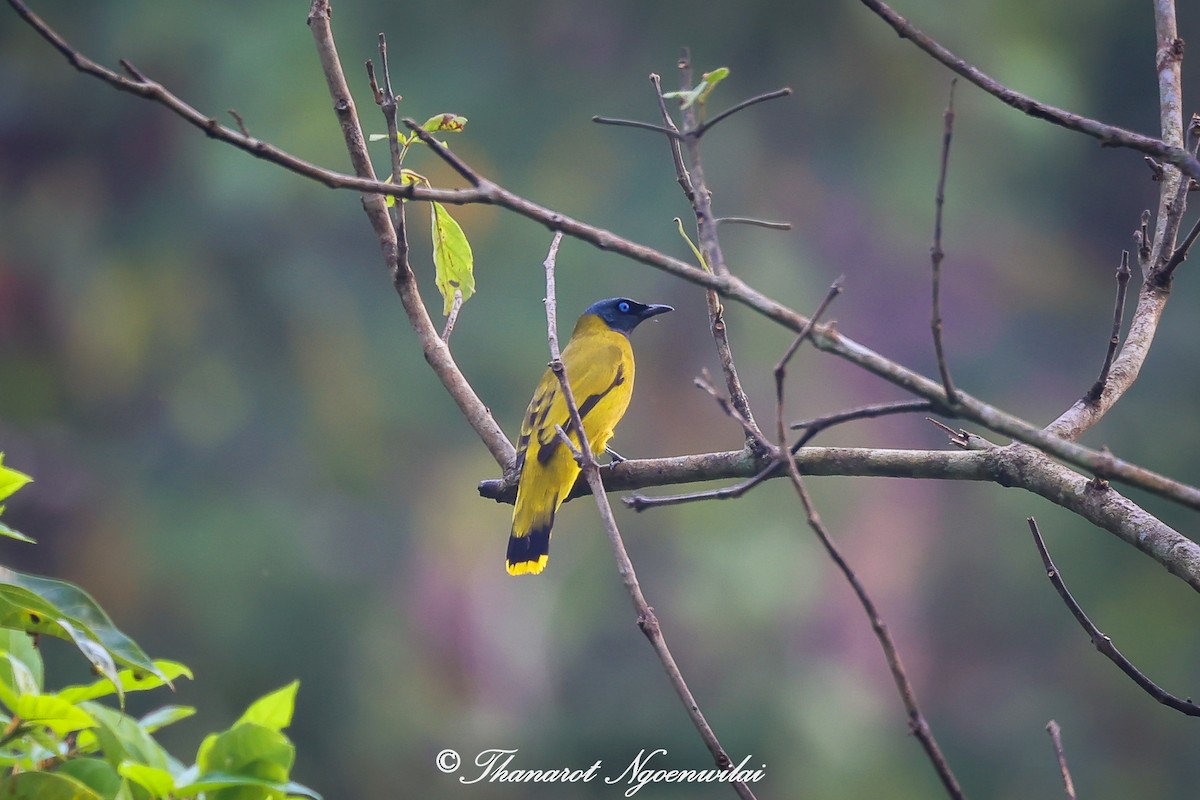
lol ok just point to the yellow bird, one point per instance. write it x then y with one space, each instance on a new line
599 366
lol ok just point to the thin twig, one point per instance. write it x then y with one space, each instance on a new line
551 294
634 123
1114 339
1181 253
812 427
241 123
452 317
817 424
1108 135
936 254
760 223
753 434
916 720
1056 737
831 294
646 619
1102 642
704 127
917 723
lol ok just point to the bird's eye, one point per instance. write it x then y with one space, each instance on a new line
623 307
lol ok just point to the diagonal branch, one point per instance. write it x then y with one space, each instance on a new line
775 94
1056 738
917 723
1103 643
1108 135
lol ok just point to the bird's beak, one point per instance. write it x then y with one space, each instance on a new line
654 309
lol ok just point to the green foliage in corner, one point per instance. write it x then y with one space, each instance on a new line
68 745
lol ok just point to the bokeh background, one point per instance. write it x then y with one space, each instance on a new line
240 451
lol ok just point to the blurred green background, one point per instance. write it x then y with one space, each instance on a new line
240 451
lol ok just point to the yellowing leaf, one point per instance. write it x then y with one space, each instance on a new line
158 782
710 80
452 123
699 94
10 479
55 713
452 258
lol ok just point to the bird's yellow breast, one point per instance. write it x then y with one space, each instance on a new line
599 367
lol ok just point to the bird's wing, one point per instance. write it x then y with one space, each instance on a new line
594 370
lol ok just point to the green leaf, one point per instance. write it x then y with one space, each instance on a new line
10 480
452 258
273 711
121 738
129 680
158 782
55 713
162 717
699 93
45 786
452 123
94 652
11 533
709 82
246 751
35 604
229 787
22 669
94 773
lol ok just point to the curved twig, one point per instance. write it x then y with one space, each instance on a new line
1102 642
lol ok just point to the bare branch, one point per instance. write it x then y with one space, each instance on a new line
1114 339
754 436
1056 737
704 127
1103 643
936 254
1108 135
1167 272
917 723
452 317
633 123
818 424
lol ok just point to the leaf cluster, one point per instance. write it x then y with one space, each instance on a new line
67 745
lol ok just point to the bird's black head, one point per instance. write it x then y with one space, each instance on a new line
622 314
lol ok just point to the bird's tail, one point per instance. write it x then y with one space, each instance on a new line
529 552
